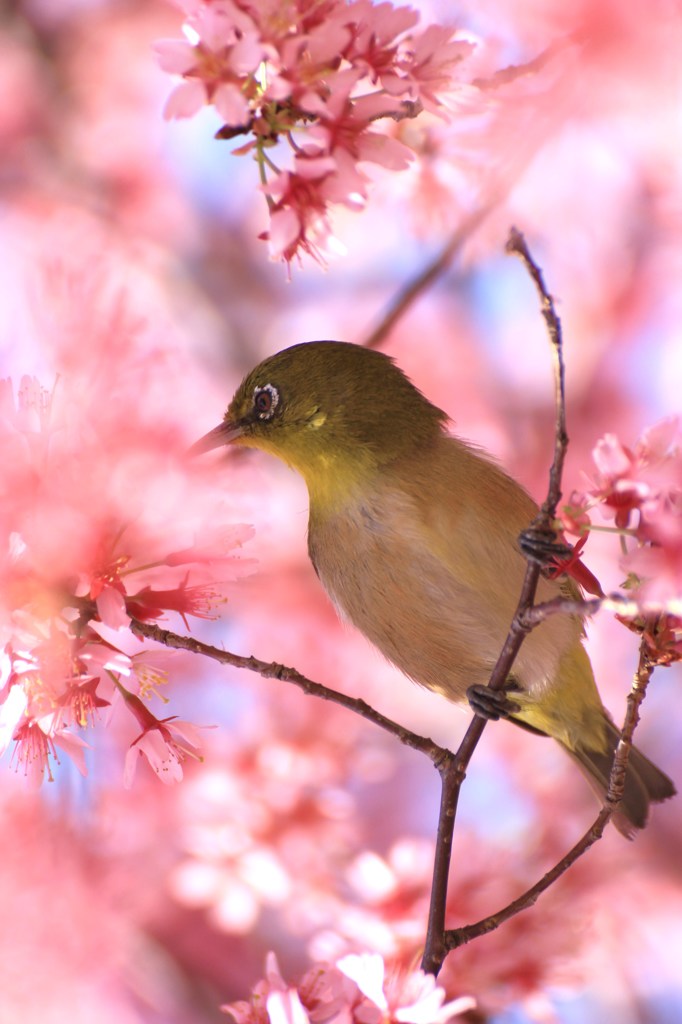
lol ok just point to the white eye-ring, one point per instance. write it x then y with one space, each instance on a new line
265 401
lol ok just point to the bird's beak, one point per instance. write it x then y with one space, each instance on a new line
225 433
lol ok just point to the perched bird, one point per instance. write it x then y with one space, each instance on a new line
414 535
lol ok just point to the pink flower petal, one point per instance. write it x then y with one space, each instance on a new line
273 973
11 713
175 55
367 971
220 24
610 457
162 757
130 765
74 746
278 88
286 1008
247 54
285 229
658 440
380 149
312 168
231 104
312 103
326 42
112 608
185 100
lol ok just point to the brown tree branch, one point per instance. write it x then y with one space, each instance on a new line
460 936
516 245
453 772
535 541
273 670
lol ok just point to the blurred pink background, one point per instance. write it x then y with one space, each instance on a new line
304 830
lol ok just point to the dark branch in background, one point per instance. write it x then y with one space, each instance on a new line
408 295
431 272
272 670
535 542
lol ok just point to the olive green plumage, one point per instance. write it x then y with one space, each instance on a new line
413 534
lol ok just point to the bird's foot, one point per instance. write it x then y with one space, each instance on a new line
493 704
542 546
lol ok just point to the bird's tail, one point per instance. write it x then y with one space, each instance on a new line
644 782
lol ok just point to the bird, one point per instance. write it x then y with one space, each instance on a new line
413 532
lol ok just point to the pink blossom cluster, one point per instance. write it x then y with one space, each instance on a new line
356 990
101 521
295 849
293 821
640 490
307 81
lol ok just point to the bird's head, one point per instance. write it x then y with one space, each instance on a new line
329 409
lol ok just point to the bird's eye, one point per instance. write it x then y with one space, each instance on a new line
265 401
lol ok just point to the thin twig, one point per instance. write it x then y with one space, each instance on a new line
407 109
460 936
514 71
619 604
535 539
516 245
273 670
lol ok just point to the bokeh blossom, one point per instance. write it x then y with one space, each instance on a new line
306 83
294 854
356 989
293 823
101 522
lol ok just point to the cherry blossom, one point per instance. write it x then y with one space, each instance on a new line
164 742
315 78
36 748
574 515
102 520
355 989
640 489
413 998
291 820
